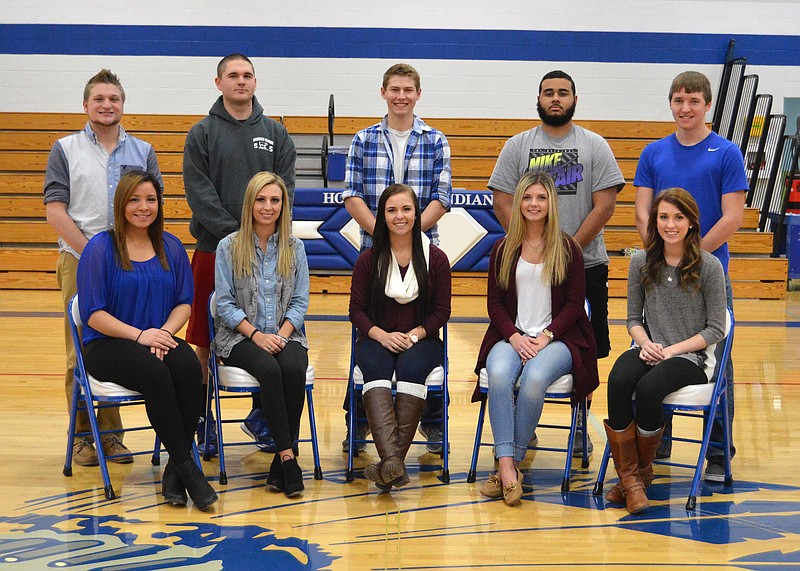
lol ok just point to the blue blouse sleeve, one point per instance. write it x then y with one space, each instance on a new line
93 274
179 266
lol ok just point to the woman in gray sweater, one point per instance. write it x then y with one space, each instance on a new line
676 315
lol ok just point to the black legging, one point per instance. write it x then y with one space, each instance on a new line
171 388
282 378
652 384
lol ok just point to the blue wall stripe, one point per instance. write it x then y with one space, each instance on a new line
394 43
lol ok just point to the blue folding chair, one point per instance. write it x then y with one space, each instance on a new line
559 392
436 384
90 394
702 402
223 378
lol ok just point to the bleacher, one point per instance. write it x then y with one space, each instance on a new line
28 249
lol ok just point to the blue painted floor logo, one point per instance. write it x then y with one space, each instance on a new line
102 542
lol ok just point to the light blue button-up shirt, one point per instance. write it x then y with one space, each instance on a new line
269 313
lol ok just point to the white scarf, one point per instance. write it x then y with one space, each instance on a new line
405 290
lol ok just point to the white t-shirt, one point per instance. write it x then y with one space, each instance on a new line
399 142
534 303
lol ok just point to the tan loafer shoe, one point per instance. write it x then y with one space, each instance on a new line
493 488
512 492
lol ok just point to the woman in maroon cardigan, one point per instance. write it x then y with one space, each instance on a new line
539 330
399 299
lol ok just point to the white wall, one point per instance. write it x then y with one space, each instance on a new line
451 88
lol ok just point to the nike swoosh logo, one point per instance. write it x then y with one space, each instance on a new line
710 150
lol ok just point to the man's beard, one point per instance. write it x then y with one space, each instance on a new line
555 120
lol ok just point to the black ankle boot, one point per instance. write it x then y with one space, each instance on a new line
292 477
171 486
275 480
201 492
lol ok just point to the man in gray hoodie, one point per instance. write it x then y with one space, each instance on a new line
221 155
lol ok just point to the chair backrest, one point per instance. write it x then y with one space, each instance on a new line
75 312
728 341
212 313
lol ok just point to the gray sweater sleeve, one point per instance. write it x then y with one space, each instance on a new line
635 292
715 299
56 178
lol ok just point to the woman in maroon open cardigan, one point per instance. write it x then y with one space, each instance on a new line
399 299
535 301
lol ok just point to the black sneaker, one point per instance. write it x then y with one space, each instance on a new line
362 431
665 446
432 433
715 469
577 449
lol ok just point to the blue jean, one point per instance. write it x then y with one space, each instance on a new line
513 423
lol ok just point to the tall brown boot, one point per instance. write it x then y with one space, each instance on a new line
409 410
383 424
626 461
647 446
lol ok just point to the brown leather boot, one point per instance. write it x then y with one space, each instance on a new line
383 425
409 410
626 462
647 446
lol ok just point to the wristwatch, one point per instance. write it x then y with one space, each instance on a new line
414 338
549 333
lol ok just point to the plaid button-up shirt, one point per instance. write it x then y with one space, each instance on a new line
426 168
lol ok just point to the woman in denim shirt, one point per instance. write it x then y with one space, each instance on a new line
262 297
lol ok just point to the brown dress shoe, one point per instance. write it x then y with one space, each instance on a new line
113 446
84 454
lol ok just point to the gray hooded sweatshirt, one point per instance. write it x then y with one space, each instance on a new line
220 157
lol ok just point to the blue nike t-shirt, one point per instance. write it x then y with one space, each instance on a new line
709 169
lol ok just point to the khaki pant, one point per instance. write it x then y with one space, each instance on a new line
67 276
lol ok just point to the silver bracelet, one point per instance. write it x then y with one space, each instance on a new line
285 340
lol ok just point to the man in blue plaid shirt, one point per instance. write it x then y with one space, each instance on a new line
401 148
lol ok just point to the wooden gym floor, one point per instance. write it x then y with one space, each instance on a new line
49 521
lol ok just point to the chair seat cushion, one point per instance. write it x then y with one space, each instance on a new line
434 379
560 388
235 377
693 395
108 389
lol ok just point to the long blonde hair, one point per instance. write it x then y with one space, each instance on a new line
557 254
243 250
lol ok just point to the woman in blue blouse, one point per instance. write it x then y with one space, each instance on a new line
262 298
135 290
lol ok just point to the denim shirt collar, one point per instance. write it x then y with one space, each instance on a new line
93 136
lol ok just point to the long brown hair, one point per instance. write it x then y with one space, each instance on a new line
382 255
689 265
243 249
557 254
128 183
